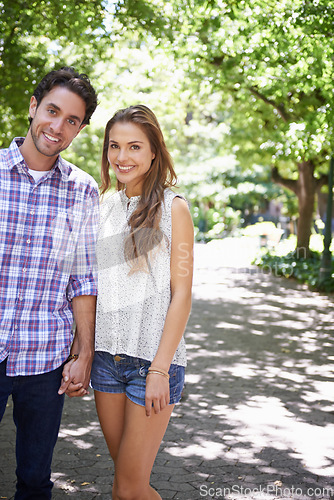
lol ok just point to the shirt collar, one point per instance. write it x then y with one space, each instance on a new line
15 158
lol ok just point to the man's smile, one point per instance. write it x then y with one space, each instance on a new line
51 138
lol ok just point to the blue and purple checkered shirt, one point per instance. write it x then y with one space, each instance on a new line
48 234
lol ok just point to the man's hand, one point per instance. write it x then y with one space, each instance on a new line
75 379
76 372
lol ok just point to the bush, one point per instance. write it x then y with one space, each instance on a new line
212 224
303 270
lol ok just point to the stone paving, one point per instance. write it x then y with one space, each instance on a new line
257 416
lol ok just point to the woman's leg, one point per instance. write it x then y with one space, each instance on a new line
133 441
139 445
111 410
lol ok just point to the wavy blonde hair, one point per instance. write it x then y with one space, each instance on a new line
144 232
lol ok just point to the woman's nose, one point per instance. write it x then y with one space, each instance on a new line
122 155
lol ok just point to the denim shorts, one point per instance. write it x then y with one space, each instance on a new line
122 374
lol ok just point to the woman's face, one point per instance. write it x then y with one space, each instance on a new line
130 155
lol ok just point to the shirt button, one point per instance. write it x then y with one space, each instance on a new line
20 297
24 270
32 212
28 241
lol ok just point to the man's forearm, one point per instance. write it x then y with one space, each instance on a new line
76 373
84 308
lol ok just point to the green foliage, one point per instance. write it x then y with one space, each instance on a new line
274 75
237 86
36 37
271 64
294 266
86 151
224 195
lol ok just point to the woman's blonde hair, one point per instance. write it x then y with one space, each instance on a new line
144 234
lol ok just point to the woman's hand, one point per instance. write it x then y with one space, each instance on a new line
73 372
157 393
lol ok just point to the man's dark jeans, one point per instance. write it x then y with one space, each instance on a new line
37 414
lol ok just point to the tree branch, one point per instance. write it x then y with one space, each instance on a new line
288 183
279 107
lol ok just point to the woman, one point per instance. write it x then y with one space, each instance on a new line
145 275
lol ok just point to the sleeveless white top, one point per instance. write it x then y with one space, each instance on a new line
132 307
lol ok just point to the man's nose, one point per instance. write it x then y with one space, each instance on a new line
57 125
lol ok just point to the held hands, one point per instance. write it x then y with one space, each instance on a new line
75 378
157 390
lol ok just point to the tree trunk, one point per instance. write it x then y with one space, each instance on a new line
305 191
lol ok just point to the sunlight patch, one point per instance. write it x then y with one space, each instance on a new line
208 450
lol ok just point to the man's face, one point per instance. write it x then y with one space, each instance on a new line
56 121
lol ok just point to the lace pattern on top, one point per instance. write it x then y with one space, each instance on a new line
132 307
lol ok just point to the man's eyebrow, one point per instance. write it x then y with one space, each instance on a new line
53 105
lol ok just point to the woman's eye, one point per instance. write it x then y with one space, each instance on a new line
135 146
113 146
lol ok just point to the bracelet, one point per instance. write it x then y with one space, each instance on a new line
158 371
72 356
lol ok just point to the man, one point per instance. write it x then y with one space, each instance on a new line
48 225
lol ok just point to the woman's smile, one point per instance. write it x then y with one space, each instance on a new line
125 168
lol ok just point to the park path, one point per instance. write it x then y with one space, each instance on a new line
257 417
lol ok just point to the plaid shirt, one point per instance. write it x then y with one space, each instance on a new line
47 256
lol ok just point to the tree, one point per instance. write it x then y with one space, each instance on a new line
272 65
36 35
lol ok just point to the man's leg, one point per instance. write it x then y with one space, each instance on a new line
6 384
37 415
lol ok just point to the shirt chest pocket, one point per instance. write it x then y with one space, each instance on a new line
64 232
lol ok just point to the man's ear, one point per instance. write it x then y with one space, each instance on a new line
32 107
